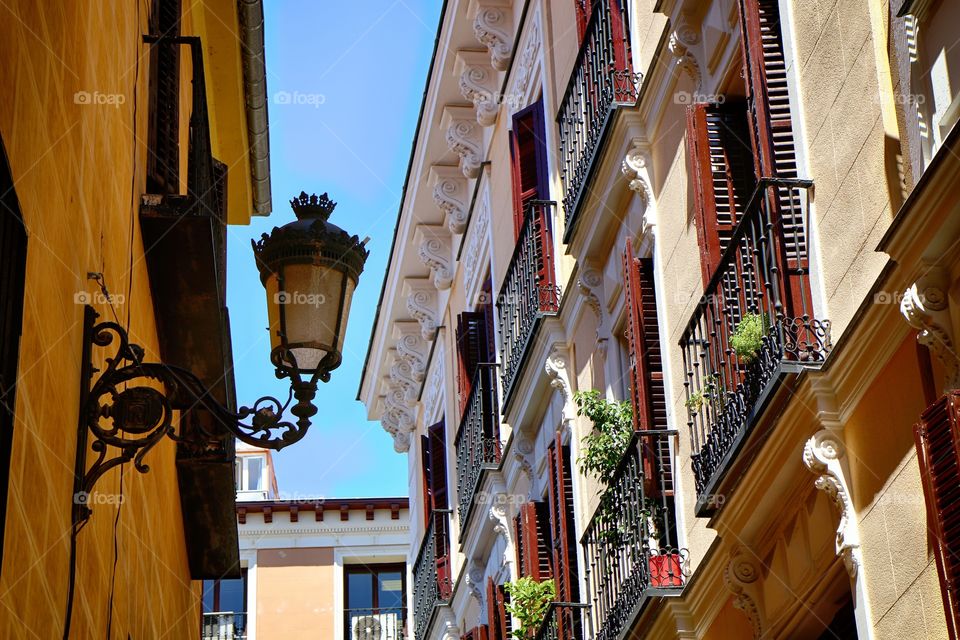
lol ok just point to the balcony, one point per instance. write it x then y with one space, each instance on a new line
564 621
478 439
602 82
432 579
226 625
630 544
383 623
762 279
529 291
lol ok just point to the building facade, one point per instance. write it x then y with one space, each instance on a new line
738 218
311 568
132 133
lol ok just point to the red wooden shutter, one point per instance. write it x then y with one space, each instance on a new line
584 8
534 552
13 263
773 138
438 466
477 633
938 451
528 161
562 528
435 451
472 345
426 478
163 136
647 393
721 170
498 623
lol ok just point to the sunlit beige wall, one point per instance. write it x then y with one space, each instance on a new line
295 590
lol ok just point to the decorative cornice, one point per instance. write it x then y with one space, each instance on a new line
412 348
524 65
478 83
502 525
434 251
523 451
493 29
474 579
741 576
464 137
634 168
682 40
450 195
555 367
926 307
422 305
433 391
401 374
472 266
590 281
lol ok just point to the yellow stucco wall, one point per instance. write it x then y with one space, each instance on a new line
79 162
295 588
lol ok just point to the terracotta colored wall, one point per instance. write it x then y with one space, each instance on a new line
295 593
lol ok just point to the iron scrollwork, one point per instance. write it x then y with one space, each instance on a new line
132 405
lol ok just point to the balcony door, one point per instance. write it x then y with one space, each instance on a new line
225 608
374 601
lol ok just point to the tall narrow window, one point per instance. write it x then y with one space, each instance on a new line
13 262
938 451
534 544
163 136
528 161
374 601
225 607
473 347
498 622
562 527
433 457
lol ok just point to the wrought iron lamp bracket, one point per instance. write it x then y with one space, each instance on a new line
130 405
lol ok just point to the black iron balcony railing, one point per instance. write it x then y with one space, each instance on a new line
565 621
382 623
754 325
224 625
602 81
630 544
432 579
529 291
478 438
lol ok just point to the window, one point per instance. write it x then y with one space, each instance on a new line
13 261
533 543
250 473
225 596
528 161
163 136
374 600
562 525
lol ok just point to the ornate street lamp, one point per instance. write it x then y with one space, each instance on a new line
310 269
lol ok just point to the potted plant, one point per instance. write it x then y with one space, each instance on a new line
664 567
710 391
747 338
529 601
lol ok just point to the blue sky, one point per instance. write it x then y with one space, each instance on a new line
345 81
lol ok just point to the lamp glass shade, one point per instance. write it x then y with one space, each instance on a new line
308 315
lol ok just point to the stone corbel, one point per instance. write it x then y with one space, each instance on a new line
522 454
433 242
683 40
450 195
401 374
502 525
635 169
412 348
556 369
926 308
478 84
474 579
464 137
742 577
422 304
493 27
590 284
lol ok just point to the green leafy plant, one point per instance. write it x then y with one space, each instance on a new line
612 429
698 398
529 601
747 337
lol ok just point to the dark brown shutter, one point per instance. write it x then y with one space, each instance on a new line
498 622
534 550
721 172
562 528
775 154
647 394
472 346
163 136
13 263
438 466
938 451
426 475
528 160
477 633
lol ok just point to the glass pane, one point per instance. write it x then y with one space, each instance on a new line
208 586
359 590
390 589
255 474
231 595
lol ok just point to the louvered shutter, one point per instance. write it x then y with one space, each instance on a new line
477 633
498 622
938 451
13 260
721 172
163 138
562 527
528 161
534 549
435 449
472 345
768 99
647 394
425 470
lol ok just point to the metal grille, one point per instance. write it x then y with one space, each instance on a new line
478 438
564 621
431 587
601 82
227 625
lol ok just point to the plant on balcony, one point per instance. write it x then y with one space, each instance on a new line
529 601
747 337
709 391
606 444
